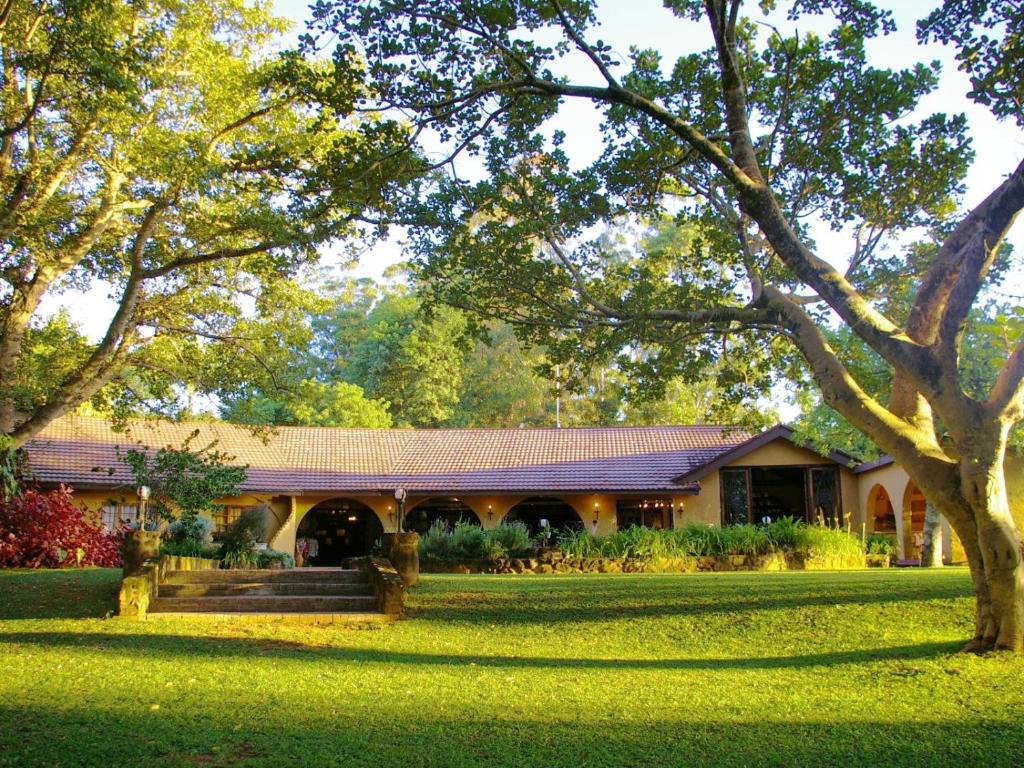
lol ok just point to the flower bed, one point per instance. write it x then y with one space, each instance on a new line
783 545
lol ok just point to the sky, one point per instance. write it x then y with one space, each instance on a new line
998 146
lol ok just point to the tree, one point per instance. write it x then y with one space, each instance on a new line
153 146
185 481
745 141
411 361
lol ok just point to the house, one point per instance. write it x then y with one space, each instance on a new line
341 486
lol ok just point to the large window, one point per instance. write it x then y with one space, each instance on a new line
226 516
764 494
113 516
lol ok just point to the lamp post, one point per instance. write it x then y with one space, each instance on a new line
143 499
400 495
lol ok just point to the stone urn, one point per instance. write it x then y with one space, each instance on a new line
403 550
140 546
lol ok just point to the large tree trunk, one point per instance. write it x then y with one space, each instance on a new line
1001 553
931 548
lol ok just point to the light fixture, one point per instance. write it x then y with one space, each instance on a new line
400 496
490 512
144 492
353 518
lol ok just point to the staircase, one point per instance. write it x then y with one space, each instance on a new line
317 595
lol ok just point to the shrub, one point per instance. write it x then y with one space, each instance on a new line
513 537
879 544
578 544
46 530
267 557
784 532
698 540
468 542
435 543
253 525
240 558
190 548
822 541
744 540
191 528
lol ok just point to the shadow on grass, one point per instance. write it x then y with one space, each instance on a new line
70 593
82 736
168 646
568 600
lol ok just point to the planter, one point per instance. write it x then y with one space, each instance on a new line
877 561
403 550
140 546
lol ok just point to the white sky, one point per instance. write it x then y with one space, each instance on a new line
998 146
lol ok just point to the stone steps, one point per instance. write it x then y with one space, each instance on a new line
300 594
283 576
264 604
267 589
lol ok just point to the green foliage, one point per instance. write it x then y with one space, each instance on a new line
989 37
190 528
164 152
411 361
268 557
191 547
784 533
879 544
468 541
254 525
822 541
434 543
184 481
512 537
239 558
697 540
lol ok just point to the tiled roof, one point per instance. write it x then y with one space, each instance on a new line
289 459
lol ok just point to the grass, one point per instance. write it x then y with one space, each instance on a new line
742 669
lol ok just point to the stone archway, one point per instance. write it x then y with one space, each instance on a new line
340 528
447 508
881 515
558 514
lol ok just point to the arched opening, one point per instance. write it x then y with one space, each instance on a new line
881 515
448 509
339 528
543 513
913 522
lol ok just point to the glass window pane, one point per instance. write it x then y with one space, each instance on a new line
825 482
734 496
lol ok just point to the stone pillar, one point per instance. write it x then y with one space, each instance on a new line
140 546
403 550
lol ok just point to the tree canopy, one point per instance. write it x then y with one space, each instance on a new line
161 149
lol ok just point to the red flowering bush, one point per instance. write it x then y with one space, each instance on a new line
47 530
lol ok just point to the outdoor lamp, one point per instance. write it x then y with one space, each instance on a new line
400 495
143 498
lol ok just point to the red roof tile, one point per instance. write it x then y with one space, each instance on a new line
425 460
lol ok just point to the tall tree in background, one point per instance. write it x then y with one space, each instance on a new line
153 147
745 140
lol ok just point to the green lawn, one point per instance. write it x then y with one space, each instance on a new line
844 669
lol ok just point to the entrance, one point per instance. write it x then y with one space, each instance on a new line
341 528
542 513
